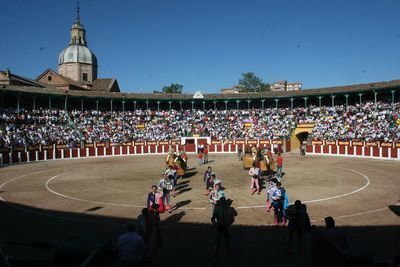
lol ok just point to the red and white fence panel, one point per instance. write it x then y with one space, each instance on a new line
19 154
359 149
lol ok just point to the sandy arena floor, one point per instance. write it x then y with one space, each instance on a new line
51 201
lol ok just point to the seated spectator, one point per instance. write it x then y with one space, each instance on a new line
366 122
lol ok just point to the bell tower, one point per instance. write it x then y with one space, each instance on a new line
77 61
78 33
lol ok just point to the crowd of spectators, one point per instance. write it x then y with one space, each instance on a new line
43 126
368 122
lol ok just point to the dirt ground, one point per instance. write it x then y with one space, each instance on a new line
56 200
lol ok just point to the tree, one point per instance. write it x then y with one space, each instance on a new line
251 83
174 88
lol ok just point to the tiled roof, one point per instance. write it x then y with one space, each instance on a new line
377 86
28 82
102 85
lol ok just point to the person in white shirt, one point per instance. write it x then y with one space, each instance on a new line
254 173
131 247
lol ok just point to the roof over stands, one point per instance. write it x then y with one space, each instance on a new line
106 85
104 90
8 78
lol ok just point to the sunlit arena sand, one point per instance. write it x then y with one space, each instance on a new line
63 198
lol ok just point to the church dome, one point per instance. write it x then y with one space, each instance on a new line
77 54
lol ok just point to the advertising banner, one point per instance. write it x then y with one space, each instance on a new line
357 143
343 143
316 142
372 143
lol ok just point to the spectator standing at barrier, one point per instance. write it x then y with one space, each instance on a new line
276 150
240 153
334 234
279 165
299 223
303 148
131 248
222 219
200 155
205 152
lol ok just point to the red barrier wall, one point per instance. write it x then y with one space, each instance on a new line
226 147
385 152
14 157
367 151
233 147
100 151
358 150
19 153
67 153
32 155
211 148
373 150
49 154
394 153
6 158
23 156
350 150
91 152
75 152
219 148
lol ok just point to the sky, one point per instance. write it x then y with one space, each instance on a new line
206 45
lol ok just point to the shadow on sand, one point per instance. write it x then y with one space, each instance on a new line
22 226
